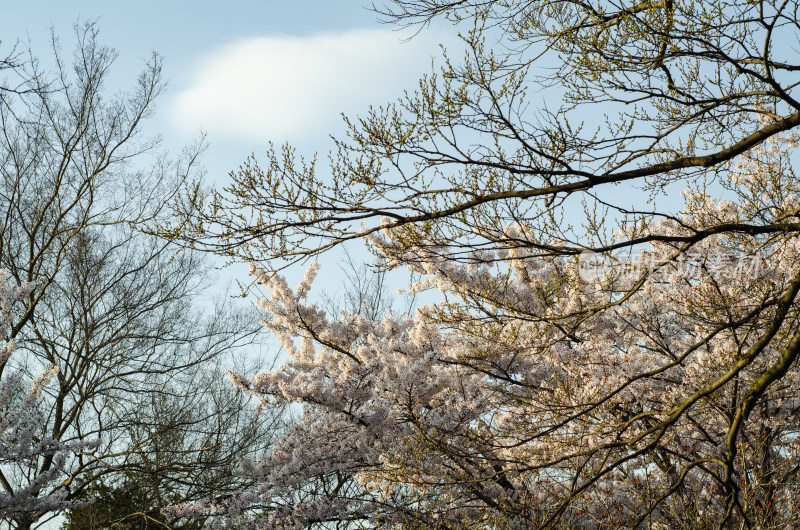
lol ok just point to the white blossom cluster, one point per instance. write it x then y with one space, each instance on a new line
22 445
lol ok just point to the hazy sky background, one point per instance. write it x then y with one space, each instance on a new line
244 72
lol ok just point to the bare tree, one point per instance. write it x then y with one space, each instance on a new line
191 442
125 318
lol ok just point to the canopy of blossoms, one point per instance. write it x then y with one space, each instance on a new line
657 385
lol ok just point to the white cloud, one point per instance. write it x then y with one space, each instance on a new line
286 87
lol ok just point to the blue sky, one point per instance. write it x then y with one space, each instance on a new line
245 72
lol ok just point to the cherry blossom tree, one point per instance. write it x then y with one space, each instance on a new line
615 339
549 392
21 417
